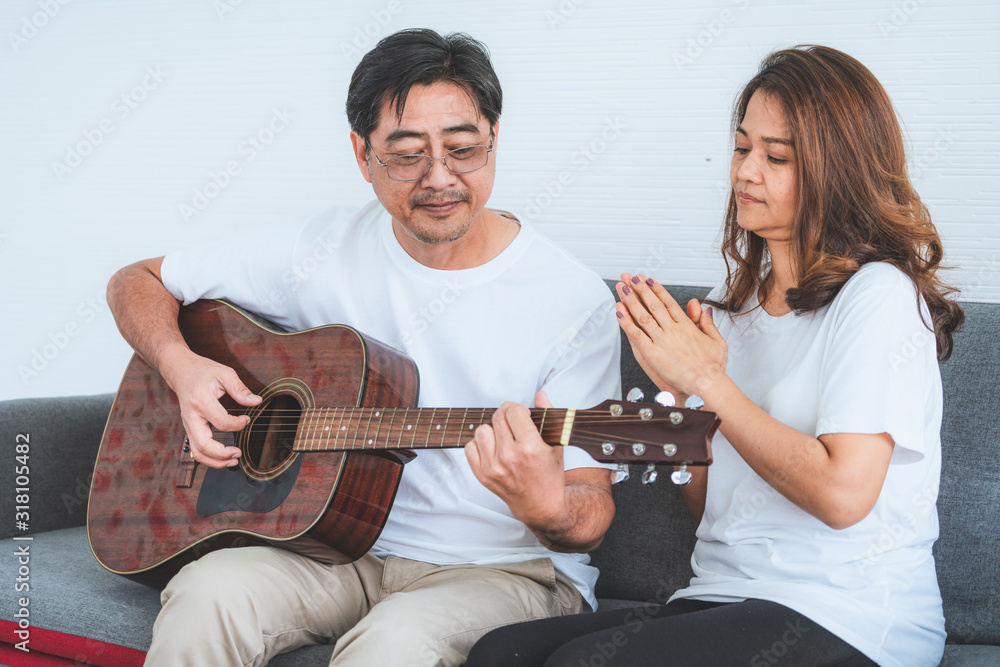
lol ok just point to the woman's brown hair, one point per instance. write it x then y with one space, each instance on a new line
855 203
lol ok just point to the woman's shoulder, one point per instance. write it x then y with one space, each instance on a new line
881 290
878 276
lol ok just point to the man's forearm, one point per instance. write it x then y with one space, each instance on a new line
145 312
590 511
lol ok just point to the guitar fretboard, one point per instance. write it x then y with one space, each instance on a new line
343 429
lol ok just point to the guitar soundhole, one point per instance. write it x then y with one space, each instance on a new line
272 433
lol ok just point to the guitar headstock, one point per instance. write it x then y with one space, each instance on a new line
626 432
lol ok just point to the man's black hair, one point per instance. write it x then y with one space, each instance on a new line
420 57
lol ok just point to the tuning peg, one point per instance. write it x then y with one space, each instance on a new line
694 402
621 474
650 475
666 399
635 395
681 476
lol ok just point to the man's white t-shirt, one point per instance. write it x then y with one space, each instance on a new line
532 318
866 363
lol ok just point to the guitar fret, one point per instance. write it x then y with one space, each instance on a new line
402 428
349 428
368 426
447 418
378 429
317 427
313 426
299 435
324 432
321 425
310 425
327 426
433 417
335 427
414 428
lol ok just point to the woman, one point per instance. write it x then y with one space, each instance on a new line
818 515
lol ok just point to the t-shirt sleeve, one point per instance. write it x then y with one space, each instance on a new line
879 372
260 271
588 372
245 270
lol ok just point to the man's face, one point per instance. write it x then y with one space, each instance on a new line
441 206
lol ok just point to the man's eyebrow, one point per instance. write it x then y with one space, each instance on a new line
400 133
768 140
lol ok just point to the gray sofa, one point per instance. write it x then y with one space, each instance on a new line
83 613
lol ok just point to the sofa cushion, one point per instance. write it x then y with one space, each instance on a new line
72 594
968 552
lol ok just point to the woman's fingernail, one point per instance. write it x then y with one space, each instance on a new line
635 280
708 311
619 314
625 290
650 282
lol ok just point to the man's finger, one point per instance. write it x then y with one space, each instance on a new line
542 400
221 419
519 421
240 392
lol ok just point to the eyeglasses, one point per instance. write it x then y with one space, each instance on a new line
463 160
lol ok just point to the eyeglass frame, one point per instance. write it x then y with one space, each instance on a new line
430 161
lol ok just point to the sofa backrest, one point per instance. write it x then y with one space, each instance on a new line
967 553
646 553
63 436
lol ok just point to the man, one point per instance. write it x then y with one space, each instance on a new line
486 308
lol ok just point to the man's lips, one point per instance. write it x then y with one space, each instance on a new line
439 207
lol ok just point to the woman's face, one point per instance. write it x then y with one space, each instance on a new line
763 171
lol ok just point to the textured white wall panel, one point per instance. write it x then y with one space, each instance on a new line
116 117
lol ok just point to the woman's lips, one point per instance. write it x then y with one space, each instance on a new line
744 198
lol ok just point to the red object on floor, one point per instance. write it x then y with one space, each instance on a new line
49 648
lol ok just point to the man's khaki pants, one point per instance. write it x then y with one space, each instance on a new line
243 606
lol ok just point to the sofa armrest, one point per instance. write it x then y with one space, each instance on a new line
62 436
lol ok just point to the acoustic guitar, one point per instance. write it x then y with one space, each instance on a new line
323 453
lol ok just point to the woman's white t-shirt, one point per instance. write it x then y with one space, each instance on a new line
865 363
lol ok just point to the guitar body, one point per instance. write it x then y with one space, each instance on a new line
152 509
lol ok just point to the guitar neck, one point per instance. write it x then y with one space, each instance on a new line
345 429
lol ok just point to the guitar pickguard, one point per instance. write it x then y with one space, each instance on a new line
231 490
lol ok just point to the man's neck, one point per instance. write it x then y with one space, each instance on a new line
488 236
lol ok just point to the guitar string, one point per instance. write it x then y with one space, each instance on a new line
381 442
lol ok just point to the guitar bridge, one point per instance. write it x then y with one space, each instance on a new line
186 466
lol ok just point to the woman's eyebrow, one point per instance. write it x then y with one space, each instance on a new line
768 140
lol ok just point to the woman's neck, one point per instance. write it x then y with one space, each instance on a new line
780 280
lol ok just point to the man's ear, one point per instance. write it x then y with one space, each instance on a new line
361 155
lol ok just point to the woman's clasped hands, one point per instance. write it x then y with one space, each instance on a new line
682 352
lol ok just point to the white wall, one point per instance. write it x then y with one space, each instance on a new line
614 136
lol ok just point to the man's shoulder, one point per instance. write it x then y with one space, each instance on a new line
562 267
338 225
554 253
